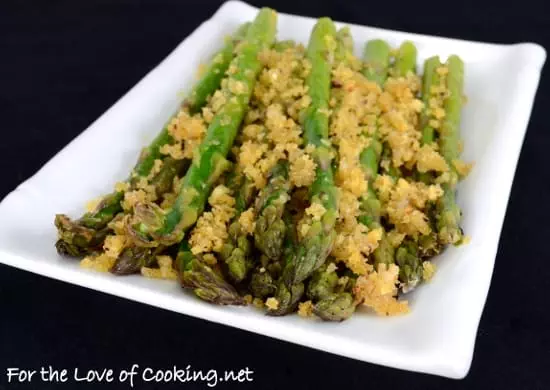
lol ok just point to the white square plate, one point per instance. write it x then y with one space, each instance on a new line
438 336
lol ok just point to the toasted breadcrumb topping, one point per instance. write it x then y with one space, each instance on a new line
378 291
247 221
305 309
316 211
114 245
165 270
272 303
272 131
100 263
131 198
405 204
210 232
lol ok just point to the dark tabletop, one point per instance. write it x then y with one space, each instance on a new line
63 63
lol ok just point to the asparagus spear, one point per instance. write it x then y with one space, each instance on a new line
429 79
321 284
449 140
270 228
204 281
410 265
236 251
377 60
405 61
215 72
288 295
133 258
86 235
344 45
262 284
314 248
331 302
151 225
335 307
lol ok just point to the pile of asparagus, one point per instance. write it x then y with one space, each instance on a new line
274 261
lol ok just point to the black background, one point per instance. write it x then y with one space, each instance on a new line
63 63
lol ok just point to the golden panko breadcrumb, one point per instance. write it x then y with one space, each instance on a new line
210 232
272 303
247 221
378 291
305 309
101 263
165 270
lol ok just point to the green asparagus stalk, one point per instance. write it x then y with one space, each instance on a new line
344 45
321 284
314 248
429 79
86 235
288 295
205 282
410 265
335 307
377 60
262 284
405 61
270 228
132 259
331 302
449 147
236 251
215 72
152 225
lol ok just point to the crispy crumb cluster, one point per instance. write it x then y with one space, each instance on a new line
272 130
353 120
378 291
210 231
164 271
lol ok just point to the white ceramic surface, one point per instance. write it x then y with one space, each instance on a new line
438 336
